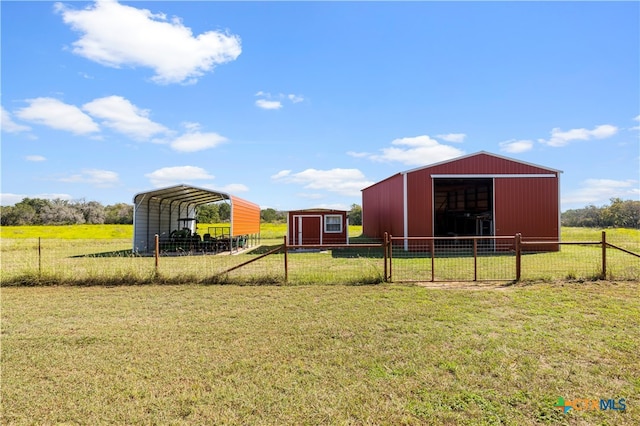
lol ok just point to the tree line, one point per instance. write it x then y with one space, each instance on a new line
37 211
619 214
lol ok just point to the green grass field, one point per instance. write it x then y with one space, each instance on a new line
312 352
270 355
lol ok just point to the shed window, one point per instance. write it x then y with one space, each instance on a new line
333 223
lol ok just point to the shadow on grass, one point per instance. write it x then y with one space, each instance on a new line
115 253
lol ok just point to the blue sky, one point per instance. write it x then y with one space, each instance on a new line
296 105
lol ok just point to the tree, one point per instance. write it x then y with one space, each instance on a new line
622 214
61 212
355 215
224 210
93 212
268 215
208 213
17 215
120 213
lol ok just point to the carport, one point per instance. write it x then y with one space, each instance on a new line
171 210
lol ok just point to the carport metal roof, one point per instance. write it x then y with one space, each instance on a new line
182 194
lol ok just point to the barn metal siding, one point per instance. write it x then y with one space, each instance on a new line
382 208
245 217
419 204
528 206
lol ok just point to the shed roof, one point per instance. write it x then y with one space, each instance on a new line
182 193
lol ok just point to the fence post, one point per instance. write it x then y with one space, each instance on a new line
390 258
286 261
518 241
385 248
39 258
475 259
433 259
604 255
157 251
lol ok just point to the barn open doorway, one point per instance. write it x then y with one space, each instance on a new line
463 207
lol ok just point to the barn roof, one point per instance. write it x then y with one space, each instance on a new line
183 194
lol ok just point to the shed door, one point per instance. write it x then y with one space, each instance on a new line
307 230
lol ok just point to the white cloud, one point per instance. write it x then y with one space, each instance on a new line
453 137
8 199
562 138
417 150
600 191
637 118
295 98
515 146
116 35
232 188
100 178
58 115
175 175
265 104
8 125
281 174
192 142
347 182
358 154
35 158
191 127
122 116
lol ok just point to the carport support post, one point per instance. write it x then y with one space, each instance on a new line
604 255
157 251
518 241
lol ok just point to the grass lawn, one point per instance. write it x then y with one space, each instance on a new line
319 354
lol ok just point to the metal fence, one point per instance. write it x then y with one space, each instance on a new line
396 259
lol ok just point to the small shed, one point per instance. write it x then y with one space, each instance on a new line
480 194
164 211
317 227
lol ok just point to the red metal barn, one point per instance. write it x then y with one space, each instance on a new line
481 194
317 227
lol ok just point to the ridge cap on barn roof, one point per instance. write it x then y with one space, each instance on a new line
475 154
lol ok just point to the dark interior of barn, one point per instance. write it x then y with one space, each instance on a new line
463 207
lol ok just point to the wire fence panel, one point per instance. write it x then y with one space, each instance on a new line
572 261
452 259
40 261
338 265
623 266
